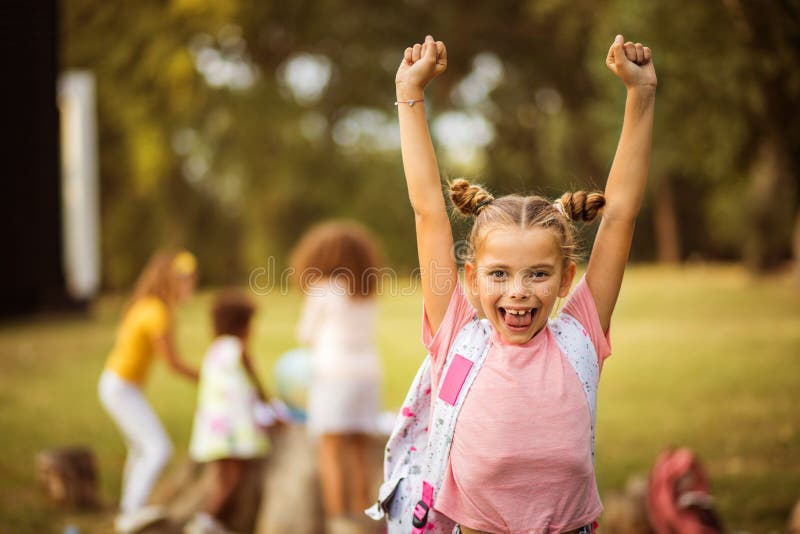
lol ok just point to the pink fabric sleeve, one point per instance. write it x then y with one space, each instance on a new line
459 312
581 306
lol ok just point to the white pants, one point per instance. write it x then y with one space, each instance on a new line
149 448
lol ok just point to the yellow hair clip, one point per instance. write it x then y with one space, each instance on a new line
185 263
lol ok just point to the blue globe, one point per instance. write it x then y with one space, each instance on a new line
292 374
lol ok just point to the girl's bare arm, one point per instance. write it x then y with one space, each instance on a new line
421 64
633 64
165 345
248 365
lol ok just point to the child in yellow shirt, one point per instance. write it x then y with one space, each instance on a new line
146 330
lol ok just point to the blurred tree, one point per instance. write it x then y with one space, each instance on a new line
770 34
724 174
232 127
147 88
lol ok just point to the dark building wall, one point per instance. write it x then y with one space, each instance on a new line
31 274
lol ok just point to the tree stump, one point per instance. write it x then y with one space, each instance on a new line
68 476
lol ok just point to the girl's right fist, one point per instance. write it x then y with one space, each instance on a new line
421 63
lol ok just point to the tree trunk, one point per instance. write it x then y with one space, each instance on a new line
796 250
770 209
665 222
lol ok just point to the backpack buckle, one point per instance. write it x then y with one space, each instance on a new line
420 514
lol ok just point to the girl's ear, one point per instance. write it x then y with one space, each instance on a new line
566 279
471 275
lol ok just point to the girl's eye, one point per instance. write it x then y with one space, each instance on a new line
497 275
537 275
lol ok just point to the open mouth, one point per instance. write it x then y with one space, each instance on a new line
517 318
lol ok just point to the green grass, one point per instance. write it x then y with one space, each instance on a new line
706 357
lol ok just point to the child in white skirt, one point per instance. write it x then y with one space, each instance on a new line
337 268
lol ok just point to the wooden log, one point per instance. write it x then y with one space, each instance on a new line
68 476
291 500
185 490
279 494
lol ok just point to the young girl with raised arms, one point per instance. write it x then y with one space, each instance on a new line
521 458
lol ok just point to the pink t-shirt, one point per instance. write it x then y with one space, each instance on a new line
521 457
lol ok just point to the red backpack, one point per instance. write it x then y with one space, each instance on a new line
678 499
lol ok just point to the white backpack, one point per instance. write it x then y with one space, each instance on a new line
416 456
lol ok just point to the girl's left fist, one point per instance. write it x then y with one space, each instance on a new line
632 63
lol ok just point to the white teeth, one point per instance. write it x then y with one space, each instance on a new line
518 312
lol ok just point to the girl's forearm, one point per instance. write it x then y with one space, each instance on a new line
434 238
166 346
189 373
180 367
419 158
248 365
628 175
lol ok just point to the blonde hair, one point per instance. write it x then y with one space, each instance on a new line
338 249
525 212
160 276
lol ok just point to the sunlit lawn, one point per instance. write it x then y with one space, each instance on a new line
705 356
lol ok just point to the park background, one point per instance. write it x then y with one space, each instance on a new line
229 128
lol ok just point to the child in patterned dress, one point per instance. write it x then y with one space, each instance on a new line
226 430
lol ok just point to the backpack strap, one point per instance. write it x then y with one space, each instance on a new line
577 346
464 360
405 445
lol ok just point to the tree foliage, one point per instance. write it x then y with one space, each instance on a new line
206 143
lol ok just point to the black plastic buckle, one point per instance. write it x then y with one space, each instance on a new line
419 522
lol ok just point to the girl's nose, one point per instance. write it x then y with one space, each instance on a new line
518 288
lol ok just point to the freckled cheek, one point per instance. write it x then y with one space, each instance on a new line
547 292
488 299
489 295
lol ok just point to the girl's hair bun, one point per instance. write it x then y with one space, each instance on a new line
582 206
469 199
